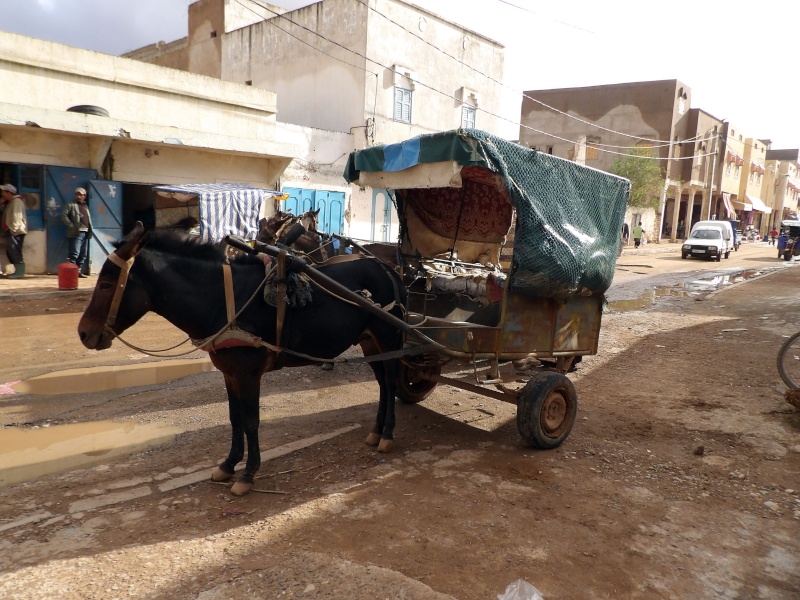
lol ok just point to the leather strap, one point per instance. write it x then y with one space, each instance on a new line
230 302
125 269
281 299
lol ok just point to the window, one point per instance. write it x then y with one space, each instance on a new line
402 105
591 151
728 168
468 117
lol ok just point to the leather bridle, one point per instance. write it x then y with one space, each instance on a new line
125 269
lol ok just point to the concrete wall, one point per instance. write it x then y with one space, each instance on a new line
449 66
652 109
320 88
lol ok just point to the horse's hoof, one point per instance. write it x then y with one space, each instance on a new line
385 446
220 475
240 488
373 439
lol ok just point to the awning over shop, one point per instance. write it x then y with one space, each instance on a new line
225 208
758 204
726 200
746 206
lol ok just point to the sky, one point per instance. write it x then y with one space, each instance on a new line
737 58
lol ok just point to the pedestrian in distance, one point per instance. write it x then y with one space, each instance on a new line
79 229
13 227
638 232
773 236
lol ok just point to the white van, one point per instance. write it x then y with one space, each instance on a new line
726 232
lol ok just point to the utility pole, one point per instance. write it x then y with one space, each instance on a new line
713 172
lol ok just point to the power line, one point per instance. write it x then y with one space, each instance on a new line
450 96
663 143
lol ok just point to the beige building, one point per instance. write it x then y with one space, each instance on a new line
783 179
118 126
379 71
711 169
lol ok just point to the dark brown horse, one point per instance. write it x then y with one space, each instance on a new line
181 279
301 229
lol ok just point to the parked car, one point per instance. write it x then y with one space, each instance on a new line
705 242
726 230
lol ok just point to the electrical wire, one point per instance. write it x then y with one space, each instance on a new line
657 143
453 97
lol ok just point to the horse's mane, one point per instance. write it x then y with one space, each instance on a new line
179 243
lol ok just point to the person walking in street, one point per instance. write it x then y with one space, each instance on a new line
79 229
14 227
773 236
638 232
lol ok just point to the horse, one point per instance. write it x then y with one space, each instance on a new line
302 230
181 279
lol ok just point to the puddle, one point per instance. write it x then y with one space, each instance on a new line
30 453
98 379
648 299
691 287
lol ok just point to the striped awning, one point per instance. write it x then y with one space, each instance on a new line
225 208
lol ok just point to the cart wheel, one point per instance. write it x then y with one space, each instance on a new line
546 410
412 384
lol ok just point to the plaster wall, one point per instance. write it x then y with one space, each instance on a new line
448 66
651 110
320 84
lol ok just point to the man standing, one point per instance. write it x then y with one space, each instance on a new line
638 231
15 226
79 229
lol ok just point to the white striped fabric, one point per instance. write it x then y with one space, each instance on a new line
225 208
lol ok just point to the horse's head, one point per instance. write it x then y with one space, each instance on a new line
115 305
269 229
310 220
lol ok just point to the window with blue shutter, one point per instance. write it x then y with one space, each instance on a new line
402 105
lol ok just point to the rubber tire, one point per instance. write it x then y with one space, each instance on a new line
683 255
728 254
547 397
719 257
410 388
784 375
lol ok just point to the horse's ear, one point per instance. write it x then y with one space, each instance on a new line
130 245
316 212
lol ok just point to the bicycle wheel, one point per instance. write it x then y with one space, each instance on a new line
789 361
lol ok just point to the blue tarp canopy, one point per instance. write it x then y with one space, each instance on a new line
225 208
568 216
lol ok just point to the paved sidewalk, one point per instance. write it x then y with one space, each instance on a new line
39 286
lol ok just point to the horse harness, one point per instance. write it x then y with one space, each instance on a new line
231 336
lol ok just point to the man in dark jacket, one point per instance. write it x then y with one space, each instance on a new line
79 229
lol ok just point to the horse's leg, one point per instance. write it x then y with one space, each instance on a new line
388 385
370 348
225 470
249 392
374 437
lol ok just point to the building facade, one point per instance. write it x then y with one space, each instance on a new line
380 71
116 127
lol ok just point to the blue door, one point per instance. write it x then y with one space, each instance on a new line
331 211
105 207
59 188
329 204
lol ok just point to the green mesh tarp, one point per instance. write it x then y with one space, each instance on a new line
569 217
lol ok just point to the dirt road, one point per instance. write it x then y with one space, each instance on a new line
681 478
